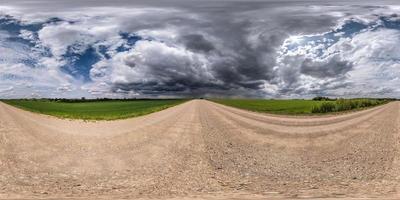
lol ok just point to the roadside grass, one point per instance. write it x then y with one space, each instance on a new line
298 106
95 110
346 104
286 107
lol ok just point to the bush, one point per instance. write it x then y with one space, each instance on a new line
346 104
367 103
324 108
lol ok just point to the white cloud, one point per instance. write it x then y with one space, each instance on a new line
369 61
163 61
151 61
376 55
58 38
27 35
7 89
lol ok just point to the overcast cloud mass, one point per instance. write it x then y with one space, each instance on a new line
258 49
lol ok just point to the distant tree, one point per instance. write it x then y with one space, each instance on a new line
319 98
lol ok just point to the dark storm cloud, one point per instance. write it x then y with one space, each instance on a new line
197 42
177 87
333 67
251 64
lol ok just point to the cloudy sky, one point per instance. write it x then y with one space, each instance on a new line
260 49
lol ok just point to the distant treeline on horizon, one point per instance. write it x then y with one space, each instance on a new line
83 99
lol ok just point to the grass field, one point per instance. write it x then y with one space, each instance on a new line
291 107
94 110
120 109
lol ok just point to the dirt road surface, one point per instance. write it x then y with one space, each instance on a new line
201 150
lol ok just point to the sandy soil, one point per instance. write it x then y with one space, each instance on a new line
201 150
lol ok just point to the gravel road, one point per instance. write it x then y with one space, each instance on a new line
201 150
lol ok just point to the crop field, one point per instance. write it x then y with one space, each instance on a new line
299 107
95 110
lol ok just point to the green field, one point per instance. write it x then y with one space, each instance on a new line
95 110
289 107
299 107
120 109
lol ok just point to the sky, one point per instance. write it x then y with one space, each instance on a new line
177 48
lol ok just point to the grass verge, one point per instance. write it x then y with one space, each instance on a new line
286 107
346 104
95 110
299 107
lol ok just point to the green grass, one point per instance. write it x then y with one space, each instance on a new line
347 104
95 110
293 106
286 107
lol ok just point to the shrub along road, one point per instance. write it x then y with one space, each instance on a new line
201 149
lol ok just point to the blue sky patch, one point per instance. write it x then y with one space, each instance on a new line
79 65
130 41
